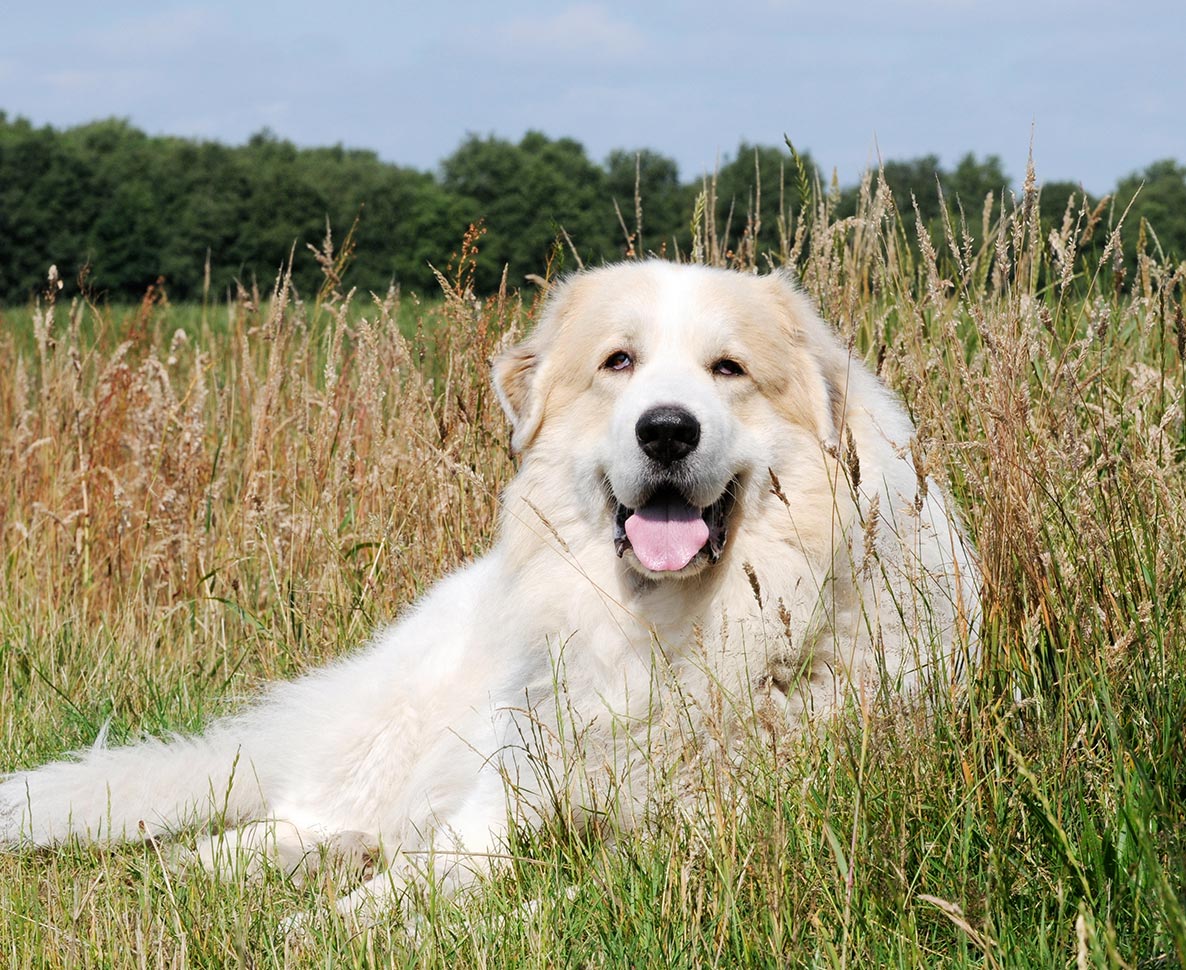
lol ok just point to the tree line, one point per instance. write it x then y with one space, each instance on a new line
117 210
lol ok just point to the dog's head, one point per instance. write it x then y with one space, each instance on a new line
667 392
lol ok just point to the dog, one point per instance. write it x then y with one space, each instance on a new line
714 499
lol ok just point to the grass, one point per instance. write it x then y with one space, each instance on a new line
185 518
103 326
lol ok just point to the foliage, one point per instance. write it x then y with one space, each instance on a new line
634 176
118 211
1158 203
526 194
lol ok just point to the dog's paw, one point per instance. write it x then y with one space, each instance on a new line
9 828
298 929
307 928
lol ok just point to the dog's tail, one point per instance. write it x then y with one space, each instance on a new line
133 792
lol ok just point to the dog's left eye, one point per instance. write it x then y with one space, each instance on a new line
727 367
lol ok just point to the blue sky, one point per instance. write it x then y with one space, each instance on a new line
1101 84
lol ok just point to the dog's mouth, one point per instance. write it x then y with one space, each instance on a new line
667 532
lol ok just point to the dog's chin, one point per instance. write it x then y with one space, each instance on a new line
666 536
698 564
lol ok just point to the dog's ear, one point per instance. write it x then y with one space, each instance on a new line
523 373
835 376
515 371
825 358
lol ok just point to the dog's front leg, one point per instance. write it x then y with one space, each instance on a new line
364 906
387 892
452 853
454 860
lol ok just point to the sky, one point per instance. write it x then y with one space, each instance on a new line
1096 87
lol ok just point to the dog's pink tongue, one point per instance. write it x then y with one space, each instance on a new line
666 533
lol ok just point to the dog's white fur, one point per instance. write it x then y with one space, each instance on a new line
843 566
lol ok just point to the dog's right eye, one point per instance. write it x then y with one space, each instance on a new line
618 360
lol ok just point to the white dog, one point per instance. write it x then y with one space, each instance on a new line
714 496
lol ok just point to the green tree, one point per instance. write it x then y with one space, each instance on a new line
758 181
970 183
121 223
665 203
1054 199
46 196
527 193
123 208
1157 196
914 184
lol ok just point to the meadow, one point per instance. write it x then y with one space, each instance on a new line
199 499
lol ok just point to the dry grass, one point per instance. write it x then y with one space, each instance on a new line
186 512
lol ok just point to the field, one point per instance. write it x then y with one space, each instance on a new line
199 499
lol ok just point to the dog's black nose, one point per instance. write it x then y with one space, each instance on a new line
667 433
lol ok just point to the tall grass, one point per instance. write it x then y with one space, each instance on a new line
187 511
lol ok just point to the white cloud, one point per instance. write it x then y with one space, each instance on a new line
586 31
164 32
